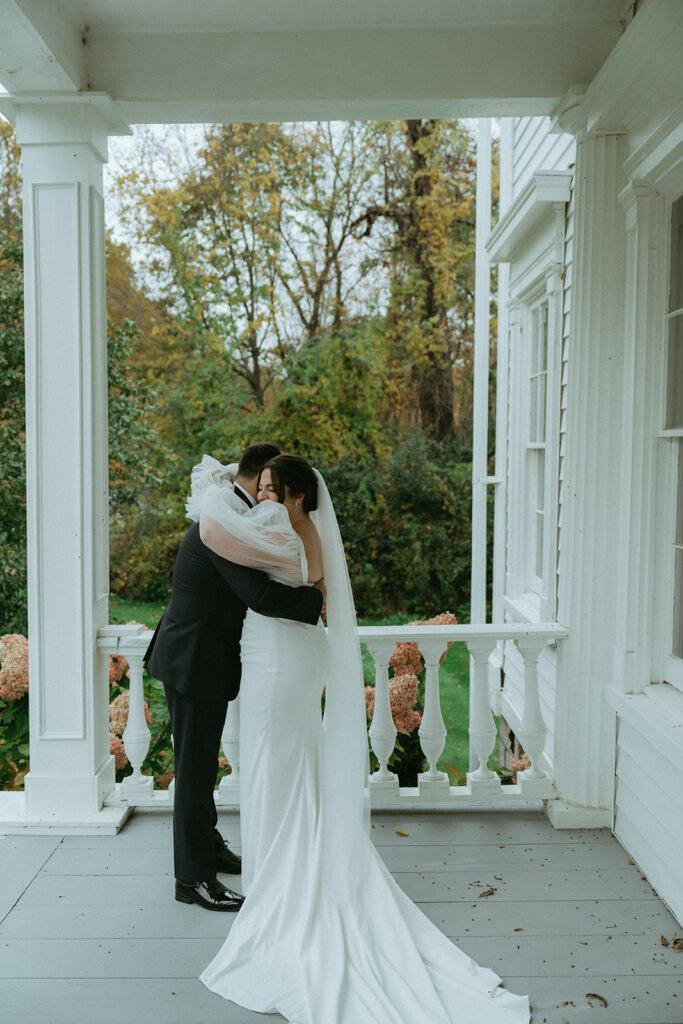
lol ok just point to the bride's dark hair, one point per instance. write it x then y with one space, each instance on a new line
295 473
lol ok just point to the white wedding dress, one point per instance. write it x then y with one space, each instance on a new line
325 935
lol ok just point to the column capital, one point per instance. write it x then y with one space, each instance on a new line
634 199
64 118
569 116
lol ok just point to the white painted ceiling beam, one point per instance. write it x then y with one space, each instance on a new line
40 48
166 60
347 73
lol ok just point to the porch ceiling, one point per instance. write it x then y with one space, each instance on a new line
169 61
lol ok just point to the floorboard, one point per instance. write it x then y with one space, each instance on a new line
89 930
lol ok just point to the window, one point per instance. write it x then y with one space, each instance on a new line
531 583
536 447
673 431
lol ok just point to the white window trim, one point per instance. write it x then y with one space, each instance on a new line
525 602
670 668
530 236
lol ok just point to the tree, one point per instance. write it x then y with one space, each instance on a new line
428 197
254 242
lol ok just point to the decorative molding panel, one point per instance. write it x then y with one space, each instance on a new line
546 189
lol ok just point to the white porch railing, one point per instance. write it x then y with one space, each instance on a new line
483 784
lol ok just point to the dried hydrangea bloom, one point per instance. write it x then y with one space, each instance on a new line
118 713
118 666
117 749
14 671
224 765
406 658
402 697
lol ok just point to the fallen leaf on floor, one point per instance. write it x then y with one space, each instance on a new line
487 892
595 995
677 944
663 941
519 929
400 832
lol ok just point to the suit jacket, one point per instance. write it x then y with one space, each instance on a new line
195 648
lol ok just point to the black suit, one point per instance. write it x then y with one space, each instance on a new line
195 652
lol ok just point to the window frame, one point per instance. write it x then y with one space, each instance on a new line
529 597
670 486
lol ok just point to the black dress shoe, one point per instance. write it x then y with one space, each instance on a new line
228 861
211 895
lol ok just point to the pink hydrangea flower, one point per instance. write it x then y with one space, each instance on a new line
520 764
402 697
224 765
14 671
118 750
118 666
165 779
406 658
118 713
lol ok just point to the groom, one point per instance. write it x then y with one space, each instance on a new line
195 653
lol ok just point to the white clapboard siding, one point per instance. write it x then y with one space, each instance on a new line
649 812
535 148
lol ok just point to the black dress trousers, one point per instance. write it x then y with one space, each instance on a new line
197 726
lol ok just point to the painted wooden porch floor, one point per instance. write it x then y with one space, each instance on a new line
90 933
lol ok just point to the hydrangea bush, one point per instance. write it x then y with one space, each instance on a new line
14 718
14 748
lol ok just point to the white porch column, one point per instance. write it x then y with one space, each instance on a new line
64 145
644 301
588 590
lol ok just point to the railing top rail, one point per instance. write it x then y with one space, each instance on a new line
135 639
498 631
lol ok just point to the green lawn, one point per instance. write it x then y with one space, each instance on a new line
454 682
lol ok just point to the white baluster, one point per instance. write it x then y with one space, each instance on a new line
482 729
229 787
432 731
136 735
533 782
382 728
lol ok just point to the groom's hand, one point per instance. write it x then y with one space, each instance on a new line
320 585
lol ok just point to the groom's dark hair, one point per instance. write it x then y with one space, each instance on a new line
255 456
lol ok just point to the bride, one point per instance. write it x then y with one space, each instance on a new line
325 935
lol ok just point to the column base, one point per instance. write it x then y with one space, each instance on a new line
134 791
484 788
562 814
385 786
49 797
434 789
535 789
16 820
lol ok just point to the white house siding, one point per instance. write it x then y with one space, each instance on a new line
648 767
648 818
535 149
